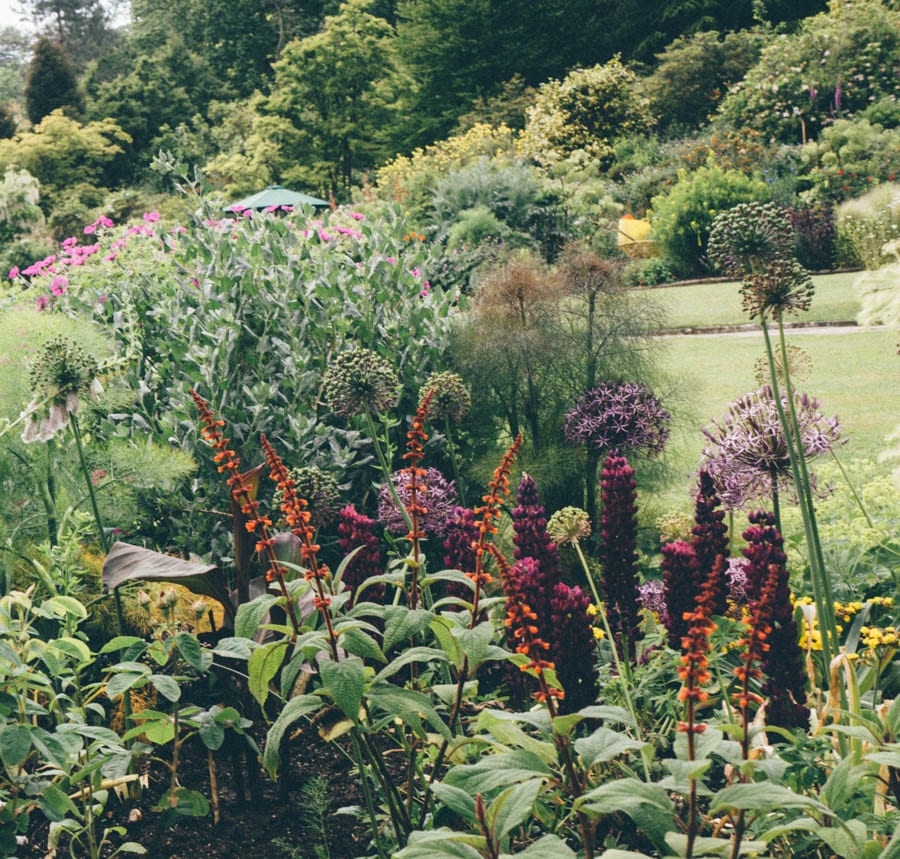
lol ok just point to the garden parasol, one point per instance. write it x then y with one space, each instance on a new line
276 196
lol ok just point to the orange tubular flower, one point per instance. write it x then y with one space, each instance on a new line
297 517
243 495
755 643
693 669
490 512
415 452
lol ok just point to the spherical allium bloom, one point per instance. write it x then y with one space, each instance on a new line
451 399
434 493
569 525
784 286
799 367
618 417
320 491
746 452
61 374
748 237
359 381
652 596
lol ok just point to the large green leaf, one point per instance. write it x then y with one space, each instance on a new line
401 624
762 797
512 808
548 847
361 644
262 666
345 682
193 653
648 805
604 745
494 771
411 655
440 844
409 706
295 709
251 614
15 744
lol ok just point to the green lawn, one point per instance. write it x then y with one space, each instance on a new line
705 304
855 375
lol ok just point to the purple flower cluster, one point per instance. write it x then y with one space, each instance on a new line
682 582
572 647
356 530
616 417
618 553
434 493
746 452
710 538
530 526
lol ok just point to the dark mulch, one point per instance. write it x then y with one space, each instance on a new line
250 825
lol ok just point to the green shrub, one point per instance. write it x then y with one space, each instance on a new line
653 271
835 66
682 218
868 223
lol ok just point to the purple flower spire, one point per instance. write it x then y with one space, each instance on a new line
783 665
573 647
682 583
710 540
530 526
618 554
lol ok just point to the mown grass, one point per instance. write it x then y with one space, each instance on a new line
855 375
710 304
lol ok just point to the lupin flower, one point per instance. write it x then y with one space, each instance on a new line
450 399
618 554
530 530
782 660
573 646
356 531
710 536
521 623
618 417
61 374
360 381
681 587
460 540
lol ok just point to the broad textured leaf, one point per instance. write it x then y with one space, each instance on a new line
262 666
234 648
166 686
604 745
15 744
548 847
251 614
409 706
762 797
401 623
345 681
441 843
608 713
193 653
295 709
127 563
212 734
361 644
494 771
512 807
122 681
61 606
413 654
459 801
648 805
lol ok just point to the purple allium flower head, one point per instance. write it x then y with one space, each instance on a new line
710 538
746 453
618 554
783 666
653 598
354 530
616 417
573 647
682 584
433 492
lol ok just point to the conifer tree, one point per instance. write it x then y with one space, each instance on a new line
50 82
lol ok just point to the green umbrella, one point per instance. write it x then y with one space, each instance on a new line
273 197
